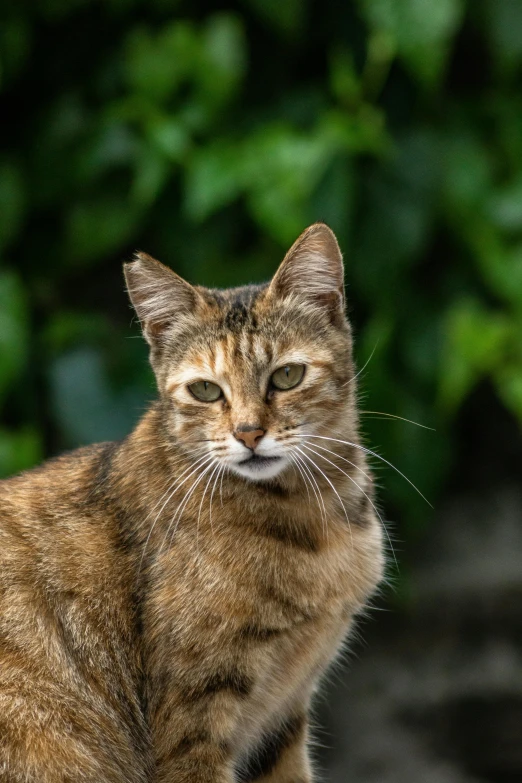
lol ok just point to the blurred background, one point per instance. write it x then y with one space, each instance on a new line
210 135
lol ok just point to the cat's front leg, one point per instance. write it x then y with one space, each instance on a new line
195 728
282 756
204 762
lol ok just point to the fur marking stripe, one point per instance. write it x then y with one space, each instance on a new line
266 757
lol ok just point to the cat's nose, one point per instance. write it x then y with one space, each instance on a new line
249 435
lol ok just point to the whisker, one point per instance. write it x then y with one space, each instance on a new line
365 365
365 495
170 484
334 489
171 490
317 492
294 463
343 459
401 418
374 454
181 506
217 466
221 485
221 468
209 440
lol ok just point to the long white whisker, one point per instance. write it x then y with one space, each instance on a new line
221 468
180 508
295 464
170 485
363 492
334 489
329 451
176 480
374 454
216 467
221 485
316 490
316 466
173 488
401 418
365 365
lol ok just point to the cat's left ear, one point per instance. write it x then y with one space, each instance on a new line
313 270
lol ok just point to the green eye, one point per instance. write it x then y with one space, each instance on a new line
288 376
205 391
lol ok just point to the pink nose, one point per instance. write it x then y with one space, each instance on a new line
250 436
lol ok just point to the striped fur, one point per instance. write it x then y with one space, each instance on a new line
163 617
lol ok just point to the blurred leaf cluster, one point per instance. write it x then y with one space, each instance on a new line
211 138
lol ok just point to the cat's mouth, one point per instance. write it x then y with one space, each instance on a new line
258 463
258 467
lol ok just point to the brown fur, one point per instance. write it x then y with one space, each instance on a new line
147 635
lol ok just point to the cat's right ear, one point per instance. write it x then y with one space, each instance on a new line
312 270
159 296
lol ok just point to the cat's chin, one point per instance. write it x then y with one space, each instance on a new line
258 468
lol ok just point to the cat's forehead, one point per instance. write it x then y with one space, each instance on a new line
245 351
236 309
241 334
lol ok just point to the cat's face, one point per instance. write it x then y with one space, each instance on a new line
247 373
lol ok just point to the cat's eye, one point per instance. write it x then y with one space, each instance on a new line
205 391
288 376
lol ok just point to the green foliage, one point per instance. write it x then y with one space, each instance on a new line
211 139
418 31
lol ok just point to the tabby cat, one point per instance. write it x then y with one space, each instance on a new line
169 603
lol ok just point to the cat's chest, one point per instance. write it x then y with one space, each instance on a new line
262 607
260 580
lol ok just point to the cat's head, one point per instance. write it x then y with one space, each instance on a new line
246 373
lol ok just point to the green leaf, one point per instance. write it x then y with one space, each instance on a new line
168 136
421 31
345 81
66 329
498 260
14 329
505 205
214 178
112 145
223 59
287 17
19 450
509 385
501 266
15 46
467 167
12 200
282 168
152 171
502 22
158 63
97 228
474 345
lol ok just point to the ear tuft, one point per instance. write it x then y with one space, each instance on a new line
158 295
313 270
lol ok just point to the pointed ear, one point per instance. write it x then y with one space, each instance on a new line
160 297
313 270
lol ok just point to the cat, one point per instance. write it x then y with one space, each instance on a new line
169 603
